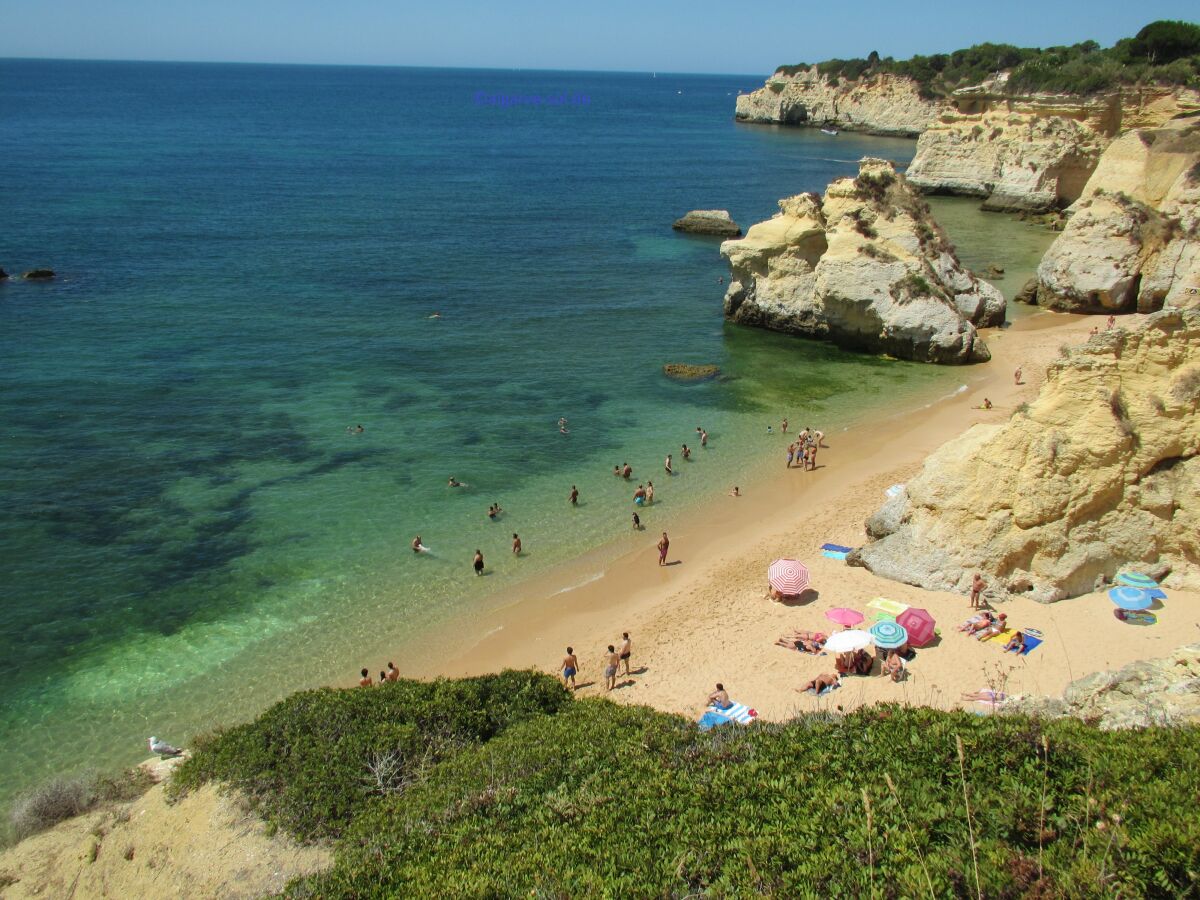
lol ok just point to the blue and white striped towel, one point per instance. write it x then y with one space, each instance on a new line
739 712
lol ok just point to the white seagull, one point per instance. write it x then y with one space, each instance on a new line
163 749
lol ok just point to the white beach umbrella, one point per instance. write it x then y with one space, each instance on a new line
847 641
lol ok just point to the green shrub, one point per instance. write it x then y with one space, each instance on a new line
313 761
603 800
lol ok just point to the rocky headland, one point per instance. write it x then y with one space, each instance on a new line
1132 242
865 267
1015 150
1098 472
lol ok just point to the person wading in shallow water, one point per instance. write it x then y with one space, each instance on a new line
478 563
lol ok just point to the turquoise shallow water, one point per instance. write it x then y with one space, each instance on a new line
248 256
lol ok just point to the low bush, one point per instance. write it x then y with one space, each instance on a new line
50 803
313 761
607 800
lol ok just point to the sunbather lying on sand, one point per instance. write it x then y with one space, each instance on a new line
804 641
997 625
987 695
819 683
977 623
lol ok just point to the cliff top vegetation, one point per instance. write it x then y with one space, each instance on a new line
502 786
1162 53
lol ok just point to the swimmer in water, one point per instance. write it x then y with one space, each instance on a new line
478 562
417 546
687 452
454 482
434 315
617 471
574 496
667 465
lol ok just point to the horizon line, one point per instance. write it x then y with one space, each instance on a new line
334 65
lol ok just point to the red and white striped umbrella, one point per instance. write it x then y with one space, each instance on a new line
788 576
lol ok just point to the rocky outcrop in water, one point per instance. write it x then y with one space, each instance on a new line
881 104
708 221
1133 240
867 268
38 275
1146 693
1100 471
689 372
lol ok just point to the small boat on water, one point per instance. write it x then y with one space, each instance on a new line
829 131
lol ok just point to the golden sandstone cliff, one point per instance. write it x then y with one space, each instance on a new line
1100 471
1030 153
1133 240
867 268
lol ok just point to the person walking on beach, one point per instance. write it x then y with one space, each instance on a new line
516 544
637 522
649 493
574 496
1017 376
610 668
977 586
626 650
365 681
664 544
570 665
478 562
667 465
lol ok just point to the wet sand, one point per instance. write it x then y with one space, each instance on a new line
705 618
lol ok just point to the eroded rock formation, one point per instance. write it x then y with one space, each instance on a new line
1133 240
1149 692
881 104
866 267
1100 471
708 221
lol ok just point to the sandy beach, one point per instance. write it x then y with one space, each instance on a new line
705 617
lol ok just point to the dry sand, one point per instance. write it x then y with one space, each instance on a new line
706 619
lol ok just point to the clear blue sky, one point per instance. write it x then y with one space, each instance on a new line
636 35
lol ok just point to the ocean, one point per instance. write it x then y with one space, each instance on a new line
248 260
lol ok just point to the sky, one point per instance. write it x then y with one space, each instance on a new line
623 35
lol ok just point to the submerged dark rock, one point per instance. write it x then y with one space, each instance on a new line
688 372
38 275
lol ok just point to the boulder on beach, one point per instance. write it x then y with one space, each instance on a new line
38 275
689 372
708 221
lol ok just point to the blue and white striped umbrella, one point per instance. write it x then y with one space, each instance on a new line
1136 580
1130 598
887 634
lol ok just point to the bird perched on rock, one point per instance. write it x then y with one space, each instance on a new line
163 749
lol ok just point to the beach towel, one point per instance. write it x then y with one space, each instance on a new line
891 607
738 712
835 554
826 691
1135 618
1033 639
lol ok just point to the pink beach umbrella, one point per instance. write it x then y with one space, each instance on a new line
918 623
844 616
788 576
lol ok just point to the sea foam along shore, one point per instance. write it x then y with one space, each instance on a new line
707 620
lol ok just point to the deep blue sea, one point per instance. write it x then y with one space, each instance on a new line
248 257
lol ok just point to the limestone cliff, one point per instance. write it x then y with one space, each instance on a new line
1133 239
1149 692
1018 152
867 268
1100 471
881 104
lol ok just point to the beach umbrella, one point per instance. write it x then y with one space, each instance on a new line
888 635
1130 598
844 616
847 641
1136 580
788 576
918 623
